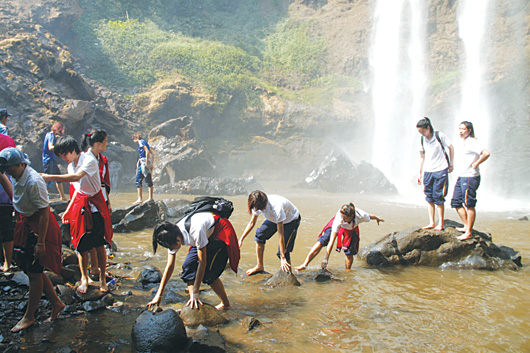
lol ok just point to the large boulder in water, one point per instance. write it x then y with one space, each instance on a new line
337 173
282 279
417 246
206 315
160 332
202 339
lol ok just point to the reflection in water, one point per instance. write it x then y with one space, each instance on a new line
395 309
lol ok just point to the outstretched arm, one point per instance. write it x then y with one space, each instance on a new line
195 289
248 229
377 218
168 271
64 178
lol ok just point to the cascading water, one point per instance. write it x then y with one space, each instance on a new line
398 89
474 102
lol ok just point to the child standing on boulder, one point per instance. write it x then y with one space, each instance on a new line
345 228
280 216
144 166
471 153
87 229
434 168
37 238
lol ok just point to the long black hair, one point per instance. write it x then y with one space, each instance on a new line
88 140
469 126
425 123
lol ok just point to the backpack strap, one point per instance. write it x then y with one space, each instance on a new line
437 135
187 222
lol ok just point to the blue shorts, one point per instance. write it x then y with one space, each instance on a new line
465 193
216 259
436 185
353 249
140 176
268 229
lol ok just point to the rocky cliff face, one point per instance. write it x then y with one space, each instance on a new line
40 82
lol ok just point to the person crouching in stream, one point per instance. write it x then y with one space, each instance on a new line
345 228
37 236
213 242
88 230
280 216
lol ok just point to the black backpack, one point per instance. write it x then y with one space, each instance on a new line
217 205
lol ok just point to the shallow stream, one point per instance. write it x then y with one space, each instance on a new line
365 310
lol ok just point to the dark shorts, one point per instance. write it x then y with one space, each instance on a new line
51 168
216 259
436 185
350 250
268 229
24 257
7 223
140 176
96 237
465 193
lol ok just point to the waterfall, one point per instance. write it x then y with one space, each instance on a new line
474 102
397 61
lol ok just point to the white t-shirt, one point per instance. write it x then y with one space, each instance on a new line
90 184
467 152
278 209
360 217
435 160
30 193
201 228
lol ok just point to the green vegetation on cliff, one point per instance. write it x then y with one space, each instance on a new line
226 47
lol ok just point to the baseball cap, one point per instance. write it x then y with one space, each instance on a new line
3 113
11 156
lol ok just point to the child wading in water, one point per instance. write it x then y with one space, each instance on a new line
280 216
88 230
37 238
345 227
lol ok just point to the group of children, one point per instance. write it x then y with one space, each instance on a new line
212 239
435 166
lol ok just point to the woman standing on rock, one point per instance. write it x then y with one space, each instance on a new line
345 228
144 166
471 153
434 168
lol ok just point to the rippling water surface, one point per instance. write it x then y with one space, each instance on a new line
365 309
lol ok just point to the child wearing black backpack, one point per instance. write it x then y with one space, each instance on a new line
213 243
435 167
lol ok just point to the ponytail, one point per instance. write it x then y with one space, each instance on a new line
88 140
425 123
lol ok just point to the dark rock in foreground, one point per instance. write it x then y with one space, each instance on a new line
416 246
160 332
202 339
337 173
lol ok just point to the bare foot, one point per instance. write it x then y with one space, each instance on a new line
222 307
103 288
461 229
56 310
254 270
465 236
63 199
148 200
430 226
439 228
22 324
137 202
300 268
5 268
83 287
